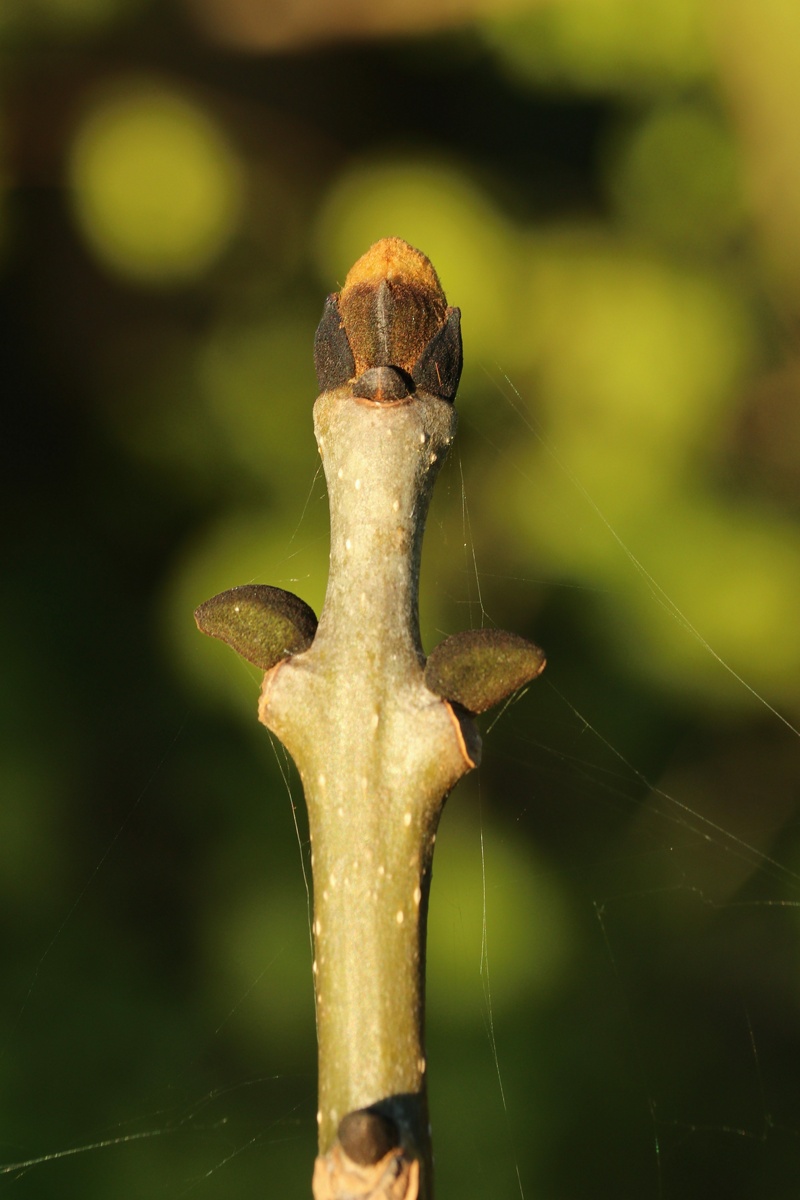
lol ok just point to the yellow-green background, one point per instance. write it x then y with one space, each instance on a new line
610 191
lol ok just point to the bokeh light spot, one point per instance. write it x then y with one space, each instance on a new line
156 189
676 176
602 45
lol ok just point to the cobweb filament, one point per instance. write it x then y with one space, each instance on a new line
301 520
659 594
19 1168
283 761
469 548
487 994
237 1152
687 816
169 1127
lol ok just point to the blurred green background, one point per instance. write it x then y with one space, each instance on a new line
610 191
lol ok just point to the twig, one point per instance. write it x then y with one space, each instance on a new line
379 735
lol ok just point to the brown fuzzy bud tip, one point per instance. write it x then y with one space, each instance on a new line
390 323
398 263
392 304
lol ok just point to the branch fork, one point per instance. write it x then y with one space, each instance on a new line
380 735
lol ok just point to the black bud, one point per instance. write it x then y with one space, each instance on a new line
367 1137
383 384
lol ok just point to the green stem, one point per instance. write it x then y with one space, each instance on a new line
377 752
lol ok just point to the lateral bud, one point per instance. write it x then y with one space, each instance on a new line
263 624
479 668
367 1136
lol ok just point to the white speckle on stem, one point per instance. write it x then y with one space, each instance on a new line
400 917
407 819
417 896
